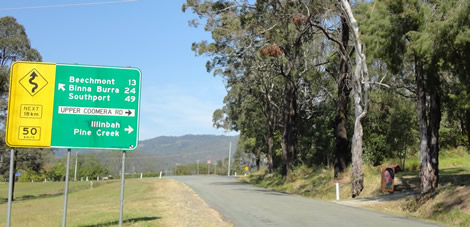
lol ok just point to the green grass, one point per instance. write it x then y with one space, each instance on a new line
25 191
86 207
147 202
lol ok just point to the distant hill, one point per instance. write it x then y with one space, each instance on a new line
164 152
207 145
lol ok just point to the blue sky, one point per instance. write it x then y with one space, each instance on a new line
178 95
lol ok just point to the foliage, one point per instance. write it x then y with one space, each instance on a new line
32 161
57 172
89 166
15 46
14 43
283 61
389 130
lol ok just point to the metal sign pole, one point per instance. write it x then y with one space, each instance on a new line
122 187
67 171
10 186
229 155
76 162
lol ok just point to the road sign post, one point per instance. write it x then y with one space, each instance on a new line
10 186
121 206
76 165
229 156
66 191
73 106
208 167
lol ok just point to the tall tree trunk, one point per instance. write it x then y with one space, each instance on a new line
356 149
289 132
434 124
270 127
361 100
270 142
467 126
285 163
423 126
356 146
429 134
342 155
1 160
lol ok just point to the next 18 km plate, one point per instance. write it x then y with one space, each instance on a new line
73 106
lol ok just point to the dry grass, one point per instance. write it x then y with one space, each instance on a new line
317 183
184 207
448 205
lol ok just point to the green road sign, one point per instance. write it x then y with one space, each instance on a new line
90 107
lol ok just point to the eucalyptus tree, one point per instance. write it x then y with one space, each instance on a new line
336 30
454 40
257 90
14 46
14 43
444 42
265 88
395 39
360 89
431 39
280 32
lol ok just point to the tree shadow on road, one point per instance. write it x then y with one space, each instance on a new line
127 221
265 191
229 183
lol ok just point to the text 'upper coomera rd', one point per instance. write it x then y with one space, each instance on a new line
96 111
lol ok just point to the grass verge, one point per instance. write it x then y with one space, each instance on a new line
147 202
449 204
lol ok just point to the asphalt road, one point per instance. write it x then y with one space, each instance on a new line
246 205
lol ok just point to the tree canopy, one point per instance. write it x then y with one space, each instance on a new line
290 67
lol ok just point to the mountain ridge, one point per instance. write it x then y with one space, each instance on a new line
164 152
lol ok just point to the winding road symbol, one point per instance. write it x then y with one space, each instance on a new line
33 82
33 76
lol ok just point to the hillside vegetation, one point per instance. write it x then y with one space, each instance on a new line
165 152
449 204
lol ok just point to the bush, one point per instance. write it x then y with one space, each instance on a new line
30 175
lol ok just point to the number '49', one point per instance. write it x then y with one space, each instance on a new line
130 98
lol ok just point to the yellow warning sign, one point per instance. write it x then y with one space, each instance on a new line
33 82
30 106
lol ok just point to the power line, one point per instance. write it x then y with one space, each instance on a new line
68 5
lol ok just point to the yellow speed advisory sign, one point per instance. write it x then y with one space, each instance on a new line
31 98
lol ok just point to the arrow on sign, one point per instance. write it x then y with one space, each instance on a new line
61 87
128 112
129 129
